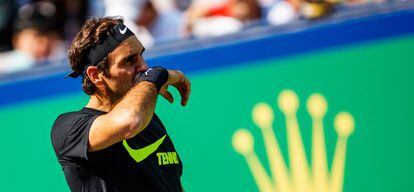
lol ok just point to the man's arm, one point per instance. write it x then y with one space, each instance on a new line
133 113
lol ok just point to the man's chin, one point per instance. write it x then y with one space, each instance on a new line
117 94
122 93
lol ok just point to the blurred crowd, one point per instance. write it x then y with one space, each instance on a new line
37 33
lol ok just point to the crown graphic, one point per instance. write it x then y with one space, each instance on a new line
300 176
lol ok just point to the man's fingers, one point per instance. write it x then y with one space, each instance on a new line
188 92
184 99
181 83
188 85
185 90
168 96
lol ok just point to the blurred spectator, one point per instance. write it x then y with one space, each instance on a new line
96 8
359 2
207 19
182 5
36 39
282 12
7 13
169 22
151 20
35 30
131 11
72 14
286 11
314 9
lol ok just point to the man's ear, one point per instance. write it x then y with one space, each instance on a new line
94 75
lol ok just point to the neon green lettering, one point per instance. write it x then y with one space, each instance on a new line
175 157
170 158
159 158
164 159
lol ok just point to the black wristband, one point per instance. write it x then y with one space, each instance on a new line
157 75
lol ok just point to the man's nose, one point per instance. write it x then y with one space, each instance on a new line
141 68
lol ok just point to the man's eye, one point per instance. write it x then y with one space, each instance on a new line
130 61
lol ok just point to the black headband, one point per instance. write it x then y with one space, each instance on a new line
100 50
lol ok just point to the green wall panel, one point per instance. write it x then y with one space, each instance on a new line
372 81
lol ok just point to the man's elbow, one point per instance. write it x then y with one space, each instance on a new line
135 124
133 130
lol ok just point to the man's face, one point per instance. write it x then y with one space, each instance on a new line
125 62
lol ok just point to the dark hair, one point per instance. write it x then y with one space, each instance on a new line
92 31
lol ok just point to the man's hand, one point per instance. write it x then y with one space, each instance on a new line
178 80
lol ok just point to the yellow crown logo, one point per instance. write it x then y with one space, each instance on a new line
301 177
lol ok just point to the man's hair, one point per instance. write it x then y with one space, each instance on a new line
93 31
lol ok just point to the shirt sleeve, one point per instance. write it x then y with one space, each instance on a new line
75 141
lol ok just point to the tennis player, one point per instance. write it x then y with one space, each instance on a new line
116 142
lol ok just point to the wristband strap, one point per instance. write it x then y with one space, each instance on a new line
157 75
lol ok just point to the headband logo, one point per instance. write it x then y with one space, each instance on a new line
123 31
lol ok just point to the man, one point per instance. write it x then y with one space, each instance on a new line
116 142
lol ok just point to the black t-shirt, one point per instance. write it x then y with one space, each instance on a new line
146 162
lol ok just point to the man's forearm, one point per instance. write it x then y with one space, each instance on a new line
138 106
134 111
126 119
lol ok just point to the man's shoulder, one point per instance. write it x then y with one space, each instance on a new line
70 119
69 122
